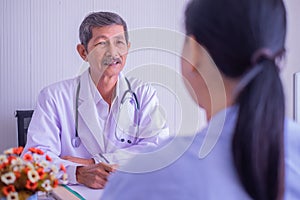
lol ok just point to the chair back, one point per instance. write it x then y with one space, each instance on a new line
23 120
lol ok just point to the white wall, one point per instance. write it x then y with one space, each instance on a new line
39 37
293 48
38 47
297 97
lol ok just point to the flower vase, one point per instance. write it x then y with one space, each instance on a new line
33 197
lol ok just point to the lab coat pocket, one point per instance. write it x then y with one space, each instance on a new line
127 124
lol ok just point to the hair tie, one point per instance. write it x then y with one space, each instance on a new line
265 53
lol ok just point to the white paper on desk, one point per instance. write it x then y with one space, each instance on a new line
87 193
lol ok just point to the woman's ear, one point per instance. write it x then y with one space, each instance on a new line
82 52
192 54
196 52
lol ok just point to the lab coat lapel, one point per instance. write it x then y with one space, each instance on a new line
120 90
89 129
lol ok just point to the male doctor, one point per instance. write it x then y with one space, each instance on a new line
99 119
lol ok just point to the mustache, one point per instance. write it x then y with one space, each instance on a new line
111 60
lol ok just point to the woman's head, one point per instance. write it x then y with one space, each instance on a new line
244 38
233 31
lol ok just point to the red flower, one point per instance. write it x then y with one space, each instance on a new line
48 158
32 150
40 152
10 158
26 169
63 168
17 174
2 166
27 157
55 183
41 172
6 190
18 150
36 150
30 185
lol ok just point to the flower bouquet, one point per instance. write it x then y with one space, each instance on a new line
23 177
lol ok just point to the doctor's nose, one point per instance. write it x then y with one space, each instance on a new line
112 51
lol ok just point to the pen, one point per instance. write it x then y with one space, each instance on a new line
100 154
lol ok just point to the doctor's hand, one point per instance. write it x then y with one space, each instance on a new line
95 175
78 160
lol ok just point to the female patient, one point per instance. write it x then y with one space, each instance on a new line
257 155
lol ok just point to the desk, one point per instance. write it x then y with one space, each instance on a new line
72 192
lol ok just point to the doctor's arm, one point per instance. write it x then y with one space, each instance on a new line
52 128
45 129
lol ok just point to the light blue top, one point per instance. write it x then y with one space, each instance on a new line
212 177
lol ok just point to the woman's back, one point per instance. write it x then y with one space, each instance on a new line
213 177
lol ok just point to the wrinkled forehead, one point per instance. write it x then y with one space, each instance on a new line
108 32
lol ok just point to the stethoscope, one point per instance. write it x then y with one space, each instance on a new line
76 141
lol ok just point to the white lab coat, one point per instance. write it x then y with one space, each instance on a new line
52 126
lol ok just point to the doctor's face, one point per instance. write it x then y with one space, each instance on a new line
107 51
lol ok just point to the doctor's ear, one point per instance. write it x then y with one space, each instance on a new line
128 45
82 52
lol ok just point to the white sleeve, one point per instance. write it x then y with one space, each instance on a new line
44 132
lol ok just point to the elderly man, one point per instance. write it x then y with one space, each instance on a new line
101 118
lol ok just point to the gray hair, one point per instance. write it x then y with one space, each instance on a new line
99 19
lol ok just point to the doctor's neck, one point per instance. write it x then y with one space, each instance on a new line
106 86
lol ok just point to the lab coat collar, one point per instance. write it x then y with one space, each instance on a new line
85 90
121 87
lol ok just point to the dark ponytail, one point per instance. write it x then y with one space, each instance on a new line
258 137
242 37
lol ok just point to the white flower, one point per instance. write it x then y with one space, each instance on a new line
9 151
65 179
3 159
46 185
17 168
54 169
37 158
12 196
17 161
44 163
17 164
29 165
8 178
33 176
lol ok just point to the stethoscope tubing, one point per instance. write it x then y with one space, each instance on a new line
76 141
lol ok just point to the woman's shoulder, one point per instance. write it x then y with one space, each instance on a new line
292 141
292 130
292 159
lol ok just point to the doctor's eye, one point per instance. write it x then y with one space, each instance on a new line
120 42
101 43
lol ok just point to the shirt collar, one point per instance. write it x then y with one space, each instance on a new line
121 87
